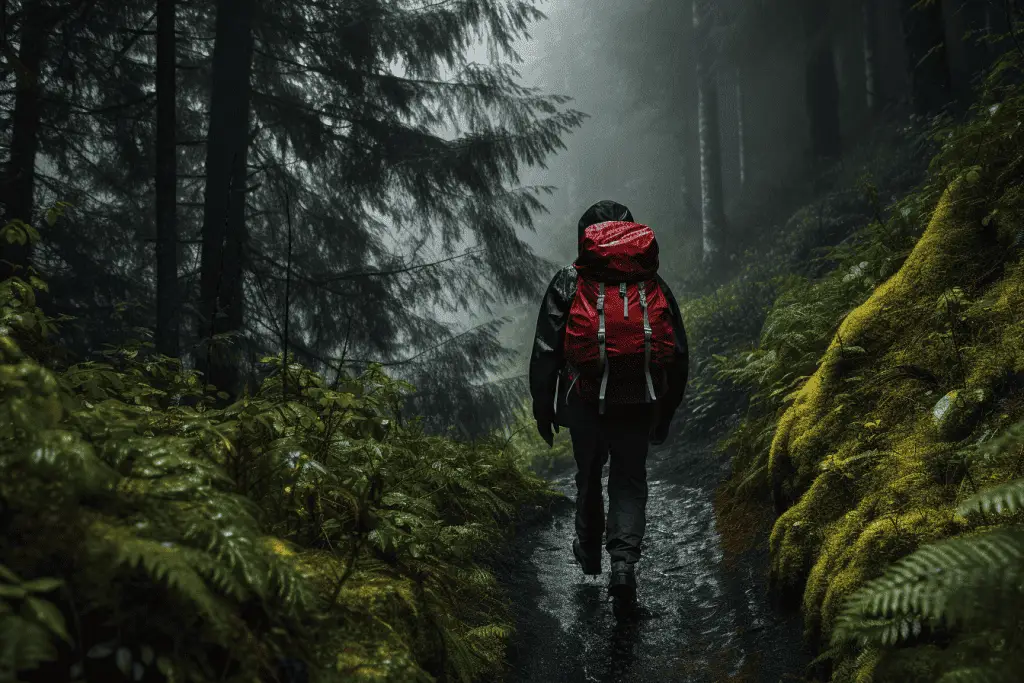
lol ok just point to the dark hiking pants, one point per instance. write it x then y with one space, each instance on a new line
621 436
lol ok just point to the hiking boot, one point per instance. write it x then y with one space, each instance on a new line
622 585
590 562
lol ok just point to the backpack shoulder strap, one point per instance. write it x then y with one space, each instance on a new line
648 332
602 347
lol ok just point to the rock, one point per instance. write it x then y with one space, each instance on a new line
955 414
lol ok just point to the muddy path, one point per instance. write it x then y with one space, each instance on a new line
703 620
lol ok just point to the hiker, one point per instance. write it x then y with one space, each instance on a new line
610 363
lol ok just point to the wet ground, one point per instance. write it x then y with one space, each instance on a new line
702 620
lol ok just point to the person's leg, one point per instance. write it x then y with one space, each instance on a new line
590 452
627 438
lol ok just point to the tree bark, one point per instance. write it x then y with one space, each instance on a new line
224 230
17 187
712 208
924 32
741 125
689 180
870 34
962 58
973 24
822 84
168 304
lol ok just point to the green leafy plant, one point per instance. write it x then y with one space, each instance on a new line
148 532
967 586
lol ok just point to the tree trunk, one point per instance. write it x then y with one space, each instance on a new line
924 33
224 230
974 24
168 304
689 181
822 84
17 186
741 123
712 209
959 48
871 82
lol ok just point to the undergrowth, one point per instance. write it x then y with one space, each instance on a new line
868 407
149 533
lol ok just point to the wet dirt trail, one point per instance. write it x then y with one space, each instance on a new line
702 620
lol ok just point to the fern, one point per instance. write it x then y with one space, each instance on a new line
212 542
1000 499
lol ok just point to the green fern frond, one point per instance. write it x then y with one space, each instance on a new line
954 581
24 645
177 567
1000 499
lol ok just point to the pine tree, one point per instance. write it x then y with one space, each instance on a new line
224 230
822 87
168 303
402 179
924 33
712 200
18 182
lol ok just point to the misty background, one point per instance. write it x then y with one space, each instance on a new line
379 208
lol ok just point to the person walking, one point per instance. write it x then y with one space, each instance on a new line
609 362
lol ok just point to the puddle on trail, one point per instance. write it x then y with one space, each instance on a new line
701 622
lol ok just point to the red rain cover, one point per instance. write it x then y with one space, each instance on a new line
615 253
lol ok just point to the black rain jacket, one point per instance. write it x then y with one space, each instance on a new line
547 363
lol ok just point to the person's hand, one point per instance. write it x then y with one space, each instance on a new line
659 434
544 428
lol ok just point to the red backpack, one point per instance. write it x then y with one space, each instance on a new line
619 339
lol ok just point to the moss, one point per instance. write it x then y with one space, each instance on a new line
864 467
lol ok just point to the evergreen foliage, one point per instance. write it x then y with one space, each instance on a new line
377 149
150 533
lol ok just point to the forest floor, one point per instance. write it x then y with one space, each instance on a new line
705 618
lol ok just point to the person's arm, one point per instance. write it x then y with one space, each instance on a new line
547 357
679 372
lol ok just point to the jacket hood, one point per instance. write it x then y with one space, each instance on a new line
604 211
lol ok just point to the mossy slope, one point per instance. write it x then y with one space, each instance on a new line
868 461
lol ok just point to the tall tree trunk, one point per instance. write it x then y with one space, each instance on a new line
959 48
689 180
224 230
974 26
17 185
870 33
924 33
712 209
741 133
821 83
168 304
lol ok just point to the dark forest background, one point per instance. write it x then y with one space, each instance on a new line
340 181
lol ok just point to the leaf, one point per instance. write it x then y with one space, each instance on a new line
9 576
44 585
100 650
47 613
8 591
124 660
